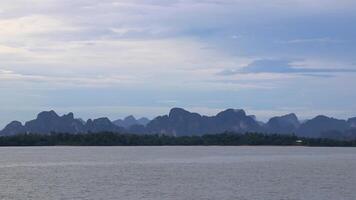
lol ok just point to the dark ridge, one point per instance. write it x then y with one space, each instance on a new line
180 122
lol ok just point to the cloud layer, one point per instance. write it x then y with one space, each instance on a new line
154 51
286 66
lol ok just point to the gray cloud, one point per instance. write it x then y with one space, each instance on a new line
284 66
174 46
314 40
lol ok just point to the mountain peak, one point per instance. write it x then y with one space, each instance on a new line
178 111
102 120
321 123
47 114
321 117
286 124
13 128
15 123
232 113
182 122
143 121
291 118
102 124
291 115
130 118
69 116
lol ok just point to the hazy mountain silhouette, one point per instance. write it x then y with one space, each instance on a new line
13 128
180 122
284 124
352 122
319 125
47 122
101 125
130 121
50 122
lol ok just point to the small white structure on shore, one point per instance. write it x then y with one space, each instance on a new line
299 142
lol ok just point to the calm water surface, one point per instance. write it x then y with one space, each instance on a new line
182 173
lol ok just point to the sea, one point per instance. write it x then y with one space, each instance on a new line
178 173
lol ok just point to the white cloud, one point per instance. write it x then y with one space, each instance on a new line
153 62
63 81
31 25
158 44
11 50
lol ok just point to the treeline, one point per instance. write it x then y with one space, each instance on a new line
115 139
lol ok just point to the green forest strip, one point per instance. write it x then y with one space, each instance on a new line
115 139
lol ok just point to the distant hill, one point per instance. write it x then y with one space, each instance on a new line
283 124
49 122
180 122
130 121
352 122
13 128
319 125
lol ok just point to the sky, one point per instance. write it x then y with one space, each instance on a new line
142 57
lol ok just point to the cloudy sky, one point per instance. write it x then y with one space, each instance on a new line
118 57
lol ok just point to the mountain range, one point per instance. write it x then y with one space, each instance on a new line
180 122
130 121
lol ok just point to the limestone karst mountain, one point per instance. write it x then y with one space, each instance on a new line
180 122
130 121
